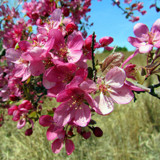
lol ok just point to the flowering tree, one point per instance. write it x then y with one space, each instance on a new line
53 63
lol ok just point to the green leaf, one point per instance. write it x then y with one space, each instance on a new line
16 46
33 115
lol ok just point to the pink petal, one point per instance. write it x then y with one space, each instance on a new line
82 115
58 38
21 123
115 77
145 48
19 70
75 82
69 145
140 30
74 56
123 95
12 109
134 41
26 74
104 104
56 15
45 120
47 84
34 54
57 146
90 100
24 45
156 26
37 68
88 86
105 41
57 88
13 55
133 87
64 95
64 113
75 41
52 132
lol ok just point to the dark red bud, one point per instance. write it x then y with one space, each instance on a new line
97 132
65 12
86 135
13 97
28 132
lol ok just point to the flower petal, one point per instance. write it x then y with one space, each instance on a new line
57 146
115 77
69 145
45 120
122 95
63 113
52 132
104 104
82 115
140 30
145 48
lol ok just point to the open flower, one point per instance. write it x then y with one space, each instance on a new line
113 90
145 40
74 106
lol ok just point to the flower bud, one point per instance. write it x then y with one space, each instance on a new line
28 132
65 12
97 132
13 97
86 135
70 27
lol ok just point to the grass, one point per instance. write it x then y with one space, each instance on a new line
131 132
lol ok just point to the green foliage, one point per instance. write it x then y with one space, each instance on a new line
131 132
121 49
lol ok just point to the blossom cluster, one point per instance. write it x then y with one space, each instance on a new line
53 63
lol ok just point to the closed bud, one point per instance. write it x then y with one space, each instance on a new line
97 132
28 132
70 27
13 97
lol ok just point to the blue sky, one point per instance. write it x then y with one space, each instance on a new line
110 21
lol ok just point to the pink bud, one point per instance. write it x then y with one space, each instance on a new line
25 104
12 109
70 27
105 41
130 71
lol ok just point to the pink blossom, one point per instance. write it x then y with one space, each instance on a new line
19 112
73 107
113 90
145 40
56 78
134 19
57 134
71 51
127 1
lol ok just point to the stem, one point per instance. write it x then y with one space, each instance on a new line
150 90
119 6
93 60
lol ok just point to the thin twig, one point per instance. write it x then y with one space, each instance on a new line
93 60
